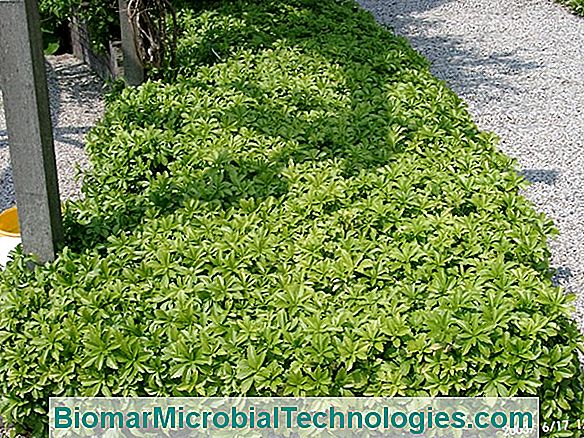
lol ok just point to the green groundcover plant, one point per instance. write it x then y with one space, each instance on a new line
576 5
302 210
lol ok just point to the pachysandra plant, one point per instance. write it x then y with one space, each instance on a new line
300 208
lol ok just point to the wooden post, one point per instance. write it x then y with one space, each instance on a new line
133 68
30 137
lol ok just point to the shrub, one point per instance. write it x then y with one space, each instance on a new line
305 210
576 5
101 18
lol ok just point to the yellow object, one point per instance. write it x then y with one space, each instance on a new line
9 223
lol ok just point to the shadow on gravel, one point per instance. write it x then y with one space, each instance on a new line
408 7
453 59
7 199
74 79
541 176
562 276
80 88
68 135
3 139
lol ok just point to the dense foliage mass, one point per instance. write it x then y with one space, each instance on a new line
100 17
305 210
576 5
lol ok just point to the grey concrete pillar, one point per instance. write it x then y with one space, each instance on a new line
133 68
30 137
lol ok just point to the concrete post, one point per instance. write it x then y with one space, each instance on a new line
30 138
133 68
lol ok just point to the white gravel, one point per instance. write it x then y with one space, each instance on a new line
76 105
519 64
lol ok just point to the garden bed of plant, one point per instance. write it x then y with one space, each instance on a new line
298 208
576 5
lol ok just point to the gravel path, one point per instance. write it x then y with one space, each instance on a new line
519 64
76 105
